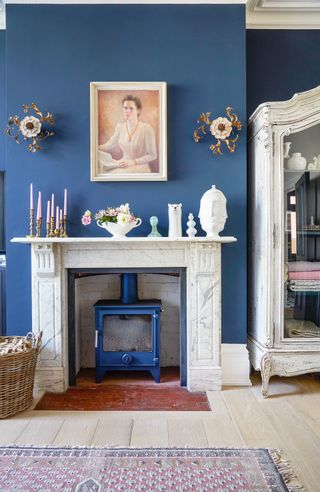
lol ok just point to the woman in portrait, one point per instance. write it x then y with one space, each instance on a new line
135 139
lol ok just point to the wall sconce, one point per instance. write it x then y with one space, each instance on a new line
224 130
30 127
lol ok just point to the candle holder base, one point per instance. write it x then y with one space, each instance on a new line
52 233
64 226
38 227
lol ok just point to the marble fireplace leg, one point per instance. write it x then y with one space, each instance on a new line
204 315
47 315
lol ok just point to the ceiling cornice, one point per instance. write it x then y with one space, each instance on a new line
2 15
283 5
283 14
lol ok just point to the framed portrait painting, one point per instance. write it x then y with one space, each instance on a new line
128 131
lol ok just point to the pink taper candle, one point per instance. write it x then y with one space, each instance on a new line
39 208
48 211
57 218
65 202
52 205
31 196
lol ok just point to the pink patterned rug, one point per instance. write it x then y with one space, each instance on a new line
131 470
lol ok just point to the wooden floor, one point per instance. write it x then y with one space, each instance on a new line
289 420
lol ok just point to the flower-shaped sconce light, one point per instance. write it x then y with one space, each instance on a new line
223 129
31 127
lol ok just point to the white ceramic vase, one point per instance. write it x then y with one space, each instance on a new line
119 231
297 162
213 212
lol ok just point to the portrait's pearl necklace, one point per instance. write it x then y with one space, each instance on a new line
130 134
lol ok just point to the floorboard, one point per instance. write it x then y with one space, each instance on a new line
65 436
186 433
113 431
39 432
151 432
11 429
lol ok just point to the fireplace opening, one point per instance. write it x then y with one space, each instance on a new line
131 292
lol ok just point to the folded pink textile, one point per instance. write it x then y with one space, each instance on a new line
303 266
304 275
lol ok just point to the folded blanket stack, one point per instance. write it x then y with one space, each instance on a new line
303 275
301 328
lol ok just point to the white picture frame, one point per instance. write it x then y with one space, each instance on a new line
128 131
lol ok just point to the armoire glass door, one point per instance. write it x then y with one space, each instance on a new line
302 234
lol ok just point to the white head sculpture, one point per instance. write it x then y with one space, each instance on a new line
213 212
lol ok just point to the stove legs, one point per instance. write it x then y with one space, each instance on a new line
100 373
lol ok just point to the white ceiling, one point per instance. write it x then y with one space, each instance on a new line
261 14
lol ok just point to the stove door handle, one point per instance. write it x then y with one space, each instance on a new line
126 359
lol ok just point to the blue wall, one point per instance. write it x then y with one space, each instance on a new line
2 135
281 63
3 108
53 53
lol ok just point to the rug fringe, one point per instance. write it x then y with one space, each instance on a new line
285 469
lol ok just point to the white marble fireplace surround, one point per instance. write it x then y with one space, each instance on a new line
51 259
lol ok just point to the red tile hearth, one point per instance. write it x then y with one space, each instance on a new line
126 391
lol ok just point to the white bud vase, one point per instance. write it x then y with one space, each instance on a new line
297 162
191 231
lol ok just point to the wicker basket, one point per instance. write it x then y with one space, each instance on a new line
17 377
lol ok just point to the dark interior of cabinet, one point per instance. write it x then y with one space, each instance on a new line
308 211
306 305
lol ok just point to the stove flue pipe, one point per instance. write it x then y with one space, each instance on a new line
129 288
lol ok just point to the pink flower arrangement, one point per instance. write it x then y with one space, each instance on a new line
119 215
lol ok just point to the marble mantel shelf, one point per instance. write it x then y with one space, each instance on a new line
28 240
200 257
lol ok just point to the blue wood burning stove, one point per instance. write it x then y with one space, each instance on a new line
128 332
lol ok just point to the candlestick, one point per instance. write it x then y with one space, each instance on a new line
31 197
39 208
31 223
38 227
61 223
65 226
48 229
65 202
52 205
51 233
